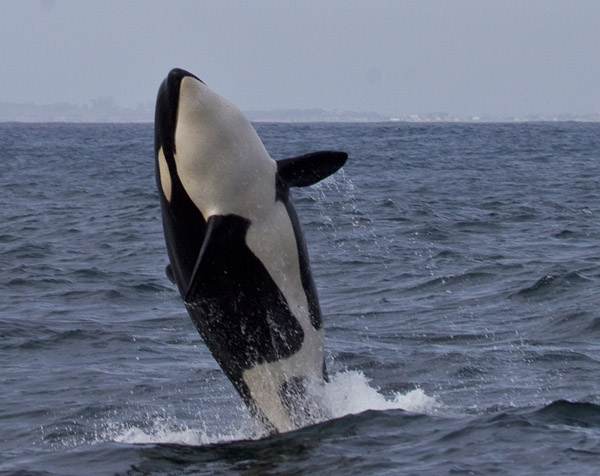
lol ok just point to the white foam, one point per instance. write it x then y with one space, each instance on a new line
350 392
164 430
184 436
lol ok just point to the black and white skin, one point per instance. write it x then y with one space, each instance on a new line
236 248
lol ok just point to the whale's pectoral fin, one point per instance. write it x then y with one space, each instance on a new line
223 244
170 274
309 169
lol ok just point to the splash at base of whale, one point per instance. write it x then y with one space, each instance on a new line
236 249
346 393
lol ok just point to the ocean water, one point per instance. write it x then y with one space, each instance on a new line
458 268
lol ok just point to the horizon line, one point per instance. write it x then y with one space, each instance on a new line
108 112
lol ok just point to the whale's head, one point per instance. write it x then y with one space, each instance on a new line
187 110
206 144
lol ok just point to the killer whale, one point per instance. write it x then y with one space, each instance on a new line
236 249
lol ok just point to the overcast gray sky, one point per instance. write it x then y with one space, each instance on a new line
464 57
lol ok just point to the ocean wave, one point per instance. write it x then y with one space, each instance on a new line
42 337
565 412
405 435
594 325
552 283
455 280
520 422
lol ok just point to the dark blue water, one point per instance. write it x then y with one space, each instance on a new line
458 268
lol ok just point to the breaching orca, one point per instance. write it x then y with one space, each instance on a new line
236 249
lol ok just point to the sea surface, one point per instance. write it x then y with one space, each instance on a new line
458 269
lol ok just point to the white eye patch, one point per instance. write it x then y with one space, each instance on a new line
165 177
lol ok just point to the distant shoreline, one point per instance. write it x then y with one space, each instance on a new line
105 111
401 121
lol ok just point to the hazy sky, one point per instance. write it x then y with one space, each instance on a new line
499 57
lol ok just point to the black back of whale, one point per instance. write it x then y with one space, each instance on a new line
234 303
